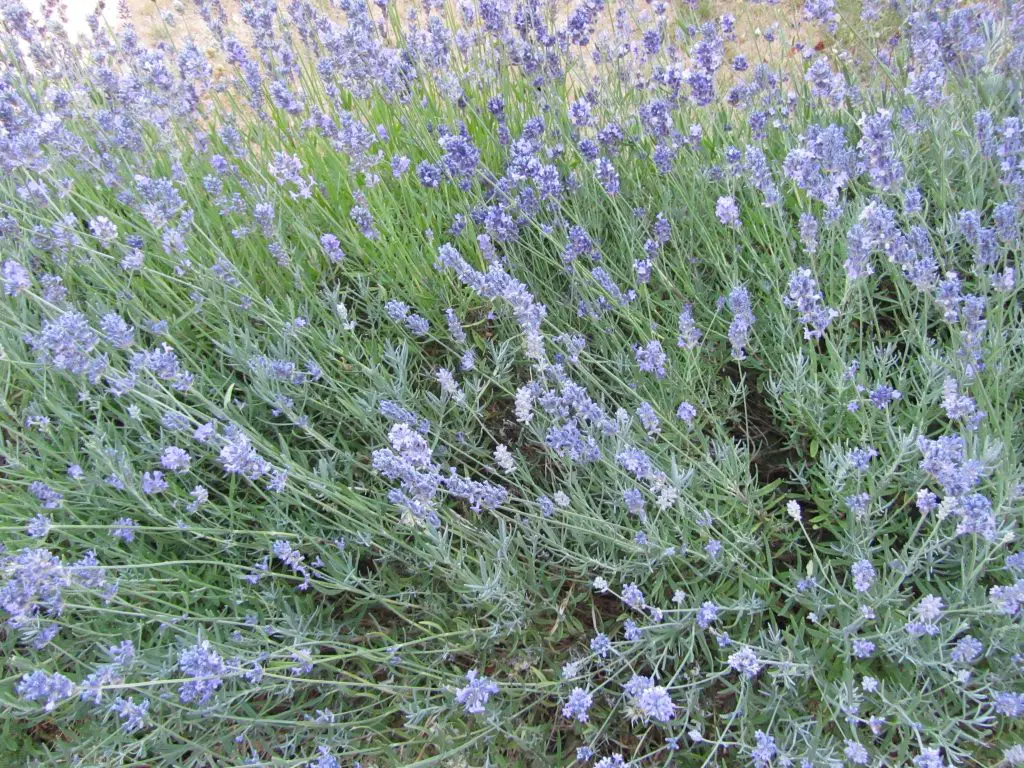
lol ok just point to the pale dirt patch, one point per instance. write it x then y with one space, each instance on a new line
72 14
162 20
171 21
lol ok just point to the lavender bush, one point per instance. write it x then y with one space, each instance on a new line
510 383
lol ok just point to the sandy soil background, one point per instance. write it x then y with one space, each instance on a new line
76 12
161 19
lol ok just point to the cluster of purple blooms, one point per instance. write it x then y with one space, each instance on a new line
743 320
805 298
473 697
205 670
184 396
410 461
399 312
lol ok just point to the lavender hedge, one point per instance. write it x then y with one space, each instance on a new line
513 384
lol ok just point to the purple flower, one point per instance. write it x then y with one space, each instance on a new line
822 164
1009 704
16 278
133 715
863 575
67 343
745 662
634 500
856 753
728 212
686 413
913 200
689 335
945 460
579 245
38 526
654 703
764 751
394 412
1006 216
332 248
123 653
967 649
163 363
702 88
399 165
287 170
664 156
48 498
206 669
449 385
932 758
580 113
474 696
497 283
883 395
124 529
278 480
630 630
460 158
116 331
104 230
51 689
926 501
929 608
204 433
455 327
858 504
606 281
806 299
153 482
863 649
860 458
636 685
643 269
480 495
742 322
607 176
238 457
651 358
429 175
53 289
960 406
649 419
826 84
409 460
707 614
877 152
363 219
175 459
823 11
578 705
758 171
633 597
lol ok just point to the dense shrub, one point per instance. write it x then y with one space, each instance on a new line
506 384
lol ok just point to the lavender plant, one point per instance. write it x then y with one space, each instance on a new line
512 383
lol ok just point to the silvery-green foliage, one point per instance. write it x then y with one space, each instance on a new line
509 384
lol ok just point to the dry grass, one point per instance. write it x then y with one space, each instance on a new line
162 20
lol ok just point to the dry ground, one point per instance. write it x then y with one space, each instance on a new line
158 20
